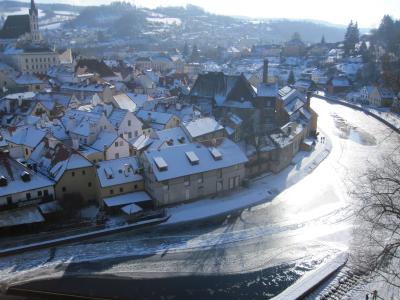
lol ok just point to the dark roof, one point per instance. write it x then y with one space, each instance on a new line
230 87
15 26
95 66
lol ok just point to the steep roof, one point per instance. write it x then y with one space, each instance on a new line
15 26
221 88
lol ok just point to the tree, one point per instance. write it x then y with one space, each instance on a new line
291 79
351 38
378 240
323 40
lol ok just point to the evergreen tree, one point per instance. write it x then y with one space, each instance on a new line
364 52
351 38
291 79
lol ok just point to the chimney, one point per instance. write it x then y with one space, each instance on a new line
309 93
75 144
265 71
126 170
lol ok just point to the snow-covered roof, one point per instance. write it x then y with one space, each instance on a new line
340 82
25 215
12 171
125 102
28 79
139 99
23 96
126 199
54 160
141 142
178 164
154 116
28 136
104 139
202 126
131 209
169 137
118 171
117 116
267 90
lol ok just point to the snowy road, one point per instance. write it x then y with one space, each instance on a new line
299 228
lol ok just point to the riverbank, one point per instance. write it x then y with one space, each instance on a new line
261 190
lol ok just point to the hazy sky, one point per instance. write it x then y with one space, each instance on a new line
368 13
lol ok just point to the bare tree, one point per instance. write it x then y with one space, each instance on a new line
378 229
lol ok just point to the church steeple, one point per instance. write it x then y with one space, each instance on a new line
33 9
34 22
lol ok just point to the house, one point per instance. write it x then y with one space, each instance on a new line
381 97
338 85
74 176
116 178
105 91
23 140
157 120
191 171
293 106
85 126
21 186
111 145
204 129
126 123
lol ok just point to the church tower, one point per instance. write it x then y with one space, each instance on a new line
34 22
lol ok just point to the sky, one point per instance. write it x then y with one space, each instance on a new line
367 13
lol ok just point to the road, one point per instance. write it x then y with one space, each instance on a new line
255 253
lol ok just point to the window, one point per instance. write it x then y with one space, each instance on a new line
83 172
136 133
9 200
129 122
116 144
116 155
73 174
187 180
121 190
39 193
166 187
64 189
89 184
129 135
46 192
201 178
28 196
121 143
111 192
121 135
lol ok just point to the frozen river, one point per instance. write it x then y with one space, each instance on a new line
255 253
